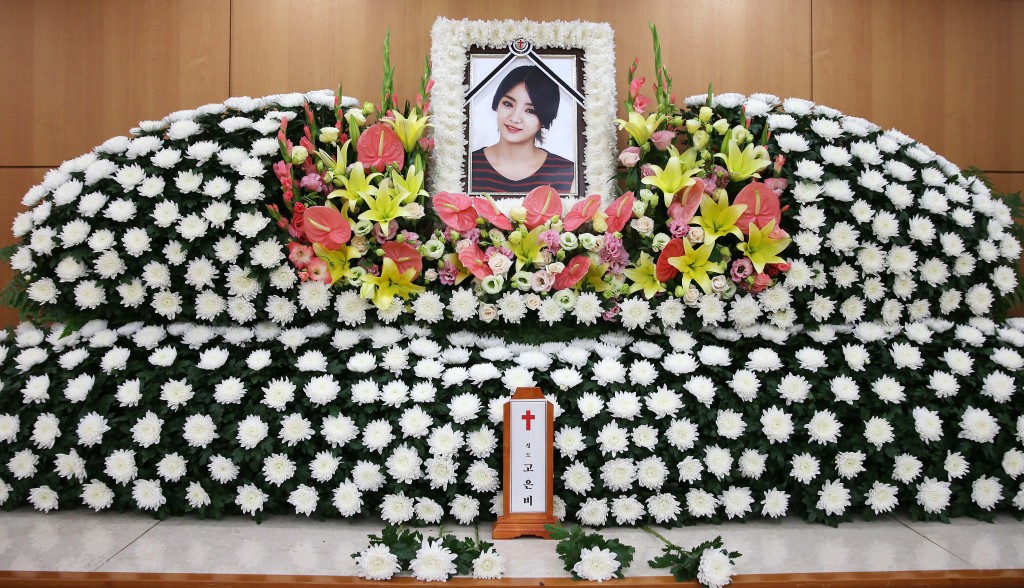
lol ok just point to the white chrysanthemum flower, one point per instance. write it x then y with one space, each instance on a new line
998 386
702 388
1013 463
805 467
120 466
933 495
718 461
888 390
978 425
986 492
878 432
618 474
91 428
613 439
700 503
664 402
465 509
199 430
824 427
222 469
489 565
377 563
906 468
833 498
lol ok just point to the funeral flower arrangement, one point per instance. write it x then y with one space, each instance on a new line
824 338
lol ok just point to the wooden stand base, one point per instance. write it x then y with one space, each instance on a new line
522 525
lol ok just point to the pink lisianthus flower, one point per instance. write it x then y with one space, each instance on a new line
472 235
299 254
541 281
614 254
777 185
741 268
662 139
373 270
379 234
411 238
678 229
318 270
629 156
312 182
646 170
448 274
550 238
612 314
492 251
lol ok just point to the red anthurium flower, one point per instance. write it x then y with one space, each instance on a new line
619 212
582 211
475 261
404 255
685 204
762 206
456 210
664 271
380 146
487 209
574 271
326 226
542 203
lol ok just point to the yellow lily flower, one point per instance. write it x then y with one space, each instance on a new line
746 162
338 261
761 248
453 258
528 248
644 277
355 184
409 130
641 128
595 275
409 185
718 218
695 267
385 206
677 175
382 289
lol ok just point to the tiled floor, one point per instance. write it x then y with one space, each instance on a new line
83 541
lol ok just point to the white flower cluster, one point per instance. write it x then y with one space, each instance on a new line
674 428
170 222
883 227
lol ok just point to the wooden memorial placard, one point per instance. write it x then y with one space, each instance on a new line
528 480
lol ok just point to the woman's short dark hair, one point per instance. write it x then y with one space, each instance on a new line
543 92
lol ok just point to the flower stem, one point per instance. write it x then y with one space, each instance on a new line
440 531
659 536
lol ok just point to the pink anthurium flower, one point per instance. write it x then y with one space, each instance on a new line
404 255
665 271
326 226
456 210
379 146
475 261
574 271
542 203
582 211
619 212
762 206
686 203
486 208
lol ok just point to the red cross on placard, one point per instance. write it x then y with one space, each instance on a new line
520 45
528 417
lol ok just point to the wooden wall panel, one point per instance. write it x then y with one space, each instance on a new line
947 72
277 46
13 185
76 72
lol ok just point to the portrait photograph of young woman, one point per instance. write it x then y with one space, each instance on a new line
522 126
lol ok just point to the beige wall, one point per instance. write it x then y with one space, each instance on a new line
75 72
